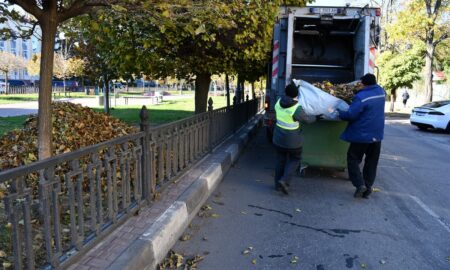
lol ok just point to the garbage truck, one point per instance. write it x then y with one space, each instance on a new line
316 44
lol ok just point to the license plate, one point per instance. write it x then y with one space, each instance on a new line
325 10
420 114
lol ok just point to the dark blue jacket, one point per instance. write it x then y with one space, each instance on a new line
365 116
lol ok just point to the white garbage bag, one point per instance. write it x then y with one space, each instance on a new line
315 101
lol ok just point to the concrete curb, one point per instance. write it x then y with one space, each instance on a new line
151 247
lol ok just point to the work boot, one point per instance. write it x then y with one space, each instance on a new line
367 193
359 191
284 187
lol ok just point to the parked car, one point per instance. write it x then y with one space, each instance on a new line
432 115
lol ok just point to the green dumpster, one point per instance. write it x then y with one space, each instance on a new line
322 146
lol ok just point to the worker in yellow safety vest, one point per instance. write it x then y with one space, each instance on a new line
287 136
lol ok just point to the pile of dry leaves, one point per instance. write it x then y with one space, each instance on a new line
342 91
74 127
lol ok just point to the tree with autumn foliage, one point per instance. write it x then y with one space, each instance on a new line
200 38
10 62
48 15
400 69
426 22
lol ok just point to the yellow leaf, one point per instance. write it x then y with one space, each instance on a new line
254 261
32 157
166 13
200 30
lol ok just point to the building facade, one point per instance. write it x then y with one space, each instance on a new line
24 48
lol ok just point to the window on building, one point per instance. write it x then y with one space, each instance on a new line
13 46
25 49
35 46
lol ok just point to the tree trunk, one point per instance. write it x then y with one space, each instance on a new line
227 86
393 98
253 90
202 82
106 94
6 83
429 71
45 87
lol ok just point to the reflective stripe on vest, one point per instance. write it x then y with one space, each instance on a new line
285 118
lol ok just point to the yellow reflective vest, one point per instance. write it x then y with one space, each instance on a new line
285 119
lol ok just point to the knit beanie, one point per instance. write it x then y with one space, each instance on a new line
291 90
368 79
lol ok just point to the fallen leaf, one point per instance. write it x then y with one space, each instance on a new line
363 265
204 238
206 207
2 254
243 212
448 258
6 265
245 252
254 261
298 210
185 237
376 190
214 215
382 262
218 202
294 260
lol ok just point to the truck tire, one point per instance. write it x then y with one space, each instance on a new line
448 127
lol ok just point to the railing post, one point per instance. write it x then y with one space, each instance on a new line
210 115
146 164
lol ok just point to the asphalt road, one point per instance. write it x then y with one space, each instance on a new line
320 226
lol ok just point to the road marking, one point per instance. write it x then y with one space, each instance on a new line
431 212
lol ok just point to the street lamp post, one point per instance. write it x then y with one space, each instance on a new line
64 52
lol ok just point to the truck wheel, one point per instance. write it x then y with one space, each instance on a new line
448 127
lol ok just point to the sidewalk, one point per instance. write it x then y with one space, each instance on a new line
144 240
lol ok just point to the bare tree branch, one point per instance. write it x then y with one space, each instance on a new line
428 5
80 7
437 5
440 39
29 6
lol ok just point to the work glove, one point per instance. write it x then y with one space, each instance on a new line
319 117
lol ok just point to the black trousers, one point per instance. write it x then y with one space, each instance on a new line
355 155
288 161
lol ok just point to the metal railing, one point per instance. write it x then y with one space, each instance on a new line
18 90
56 209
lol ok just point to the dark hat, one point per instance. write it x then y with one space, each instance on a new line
291 90
368 79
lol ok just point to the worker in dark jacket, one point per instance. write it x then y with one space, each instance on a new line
287 136
364 132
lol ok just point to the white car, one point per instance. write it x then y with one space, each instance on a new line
432 115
